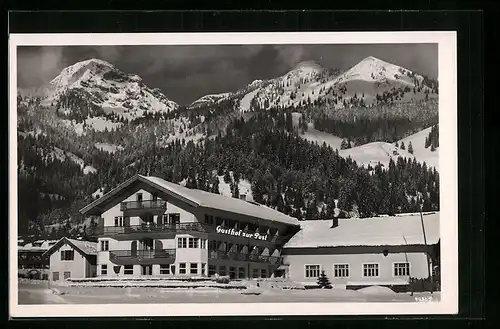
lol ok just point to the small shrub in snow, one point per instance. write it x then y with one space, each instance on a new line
323 281
222 279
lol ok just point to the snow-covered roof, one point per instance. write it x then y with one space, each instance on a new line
85 247
39 245
198 198
377 231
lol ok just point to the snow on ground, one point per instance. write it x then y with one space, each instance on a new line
316 136
375 152
40 294
247 100
377 290
321 137
419 151
98 193
95 123
244 187
59 154
110 148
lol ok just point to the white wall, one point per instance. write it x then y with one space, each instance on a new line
173 207
417 260
190 255
76 266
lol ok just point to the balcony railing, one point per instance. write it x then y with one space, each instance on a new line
229 255
126 257
153 227
145 204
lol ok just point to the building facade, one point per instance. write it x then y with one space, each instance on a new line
150 227
30 260
383 251
71 258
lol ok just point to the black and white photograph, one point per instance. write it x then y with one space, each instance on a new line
308 173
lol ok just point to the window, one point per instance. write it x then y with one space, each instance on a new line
128 270
139 197
222 270
118 221
67 275
232 272
193 242
182 243
193 269
104 269
67 255
263 273
155 197
402 269
341 270
164 269
370 270
55 276
203 268
212 245
104 245
255 273
209 220
182 268
312 271
203 243
211 270
174 218
241 273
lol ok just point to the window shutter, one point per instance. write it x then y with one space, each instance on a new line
126 221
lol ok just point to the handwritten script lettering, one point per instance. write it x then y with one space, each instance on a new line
233 232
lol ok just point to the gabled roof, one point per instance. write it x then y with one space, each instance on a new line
84 247
377 231
198 198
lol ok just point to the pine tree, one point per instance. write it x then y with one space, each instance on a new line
410 148
402 145
323 281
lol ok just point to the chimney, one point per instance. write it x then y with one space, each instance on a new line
336 213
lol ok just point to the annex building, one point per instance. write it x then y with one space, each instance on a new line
150 227
356 253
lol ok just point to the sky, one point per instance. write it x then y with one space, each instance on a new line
185 73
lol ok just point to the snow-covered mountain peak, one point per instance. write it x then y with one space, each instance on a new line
372 69
101 83
309 67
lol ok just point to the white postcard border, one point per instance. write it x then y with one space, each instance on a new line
448 164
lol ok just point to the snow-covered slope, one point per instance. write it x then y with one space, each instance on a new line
106 86
208 100
61 155
419 151
373 153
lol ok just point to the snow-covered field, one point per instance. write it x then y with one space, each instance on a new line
373 153
110 148
41 294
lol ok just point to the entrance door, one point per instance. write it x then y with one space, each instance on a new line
147 269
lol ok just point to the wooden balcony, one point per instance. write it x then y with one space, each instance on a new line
143 205
143 257
154 228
